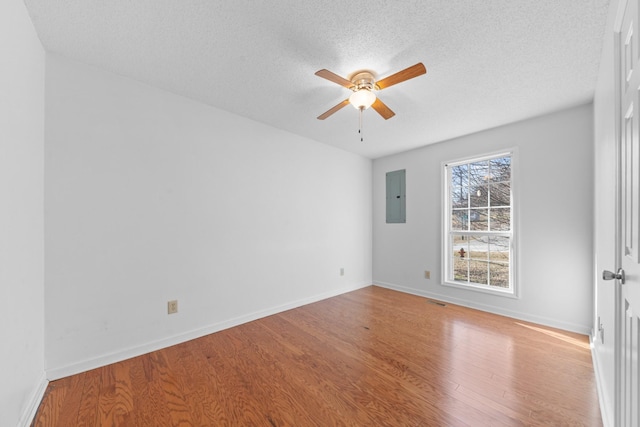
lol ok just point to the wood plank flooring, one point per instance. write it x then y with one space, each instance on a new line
373 357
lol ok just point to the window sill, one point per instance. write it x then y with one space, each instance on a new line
508 293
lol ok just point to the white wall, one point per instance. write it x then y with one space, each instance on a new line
21 215
555 174
151 197
604 220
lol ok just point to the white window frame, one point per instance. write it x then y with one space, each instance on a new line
447 276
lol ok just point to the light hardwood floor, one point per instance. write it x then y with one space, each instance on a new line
373 357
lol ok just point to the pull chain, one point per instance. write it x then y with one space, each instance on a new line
360 125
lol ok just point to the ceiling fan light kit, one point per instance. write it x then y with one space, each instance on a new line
363 85
362 99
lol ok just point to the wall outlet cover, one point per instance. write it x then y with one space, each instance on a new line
172 306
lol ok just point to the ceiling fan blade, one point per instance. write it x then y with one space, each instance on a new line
400 76
382 109
332 77
333 110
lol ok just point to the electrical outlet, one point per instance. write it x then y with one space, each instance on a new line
172 306
342 271
427 274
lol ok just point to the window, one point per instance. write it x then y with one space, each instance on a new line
479 238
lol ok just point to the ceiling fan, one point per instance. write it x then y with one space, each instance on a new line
364 85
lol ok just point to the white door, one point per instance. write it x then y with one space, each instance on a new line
628 217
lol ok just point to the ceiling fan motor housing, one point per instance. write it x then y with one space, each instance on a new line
363 80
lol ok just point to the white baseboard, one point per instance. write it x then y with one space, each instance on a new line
604 408
571 327
34 402
118 356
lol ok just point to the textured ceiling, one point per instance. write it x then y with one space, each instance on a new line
488 62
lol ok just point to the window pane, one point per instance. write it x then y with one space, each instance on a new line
500 194
479 272
460 242
479 196
501 169
459 197
461 270
499 248
500 219
499 274
479 219
460 246
478 247
478 174
460 220
459 175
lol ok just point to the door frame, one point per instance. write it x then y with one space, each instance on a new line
618 354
